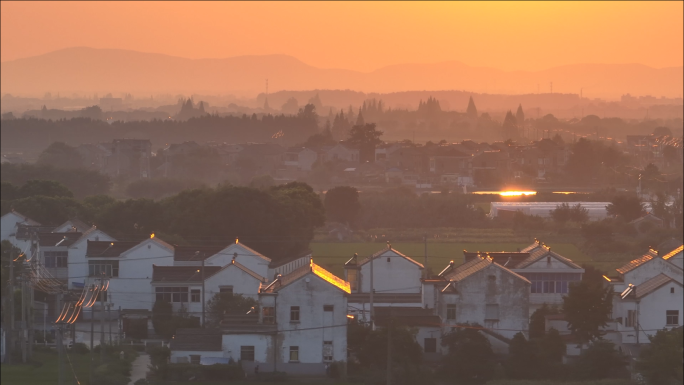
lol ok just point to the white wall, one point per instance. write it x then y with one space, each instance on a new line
650 269
476 291
78 264
677 260
397 276
8 225
176 354
245 257
311 297
132 289
262 346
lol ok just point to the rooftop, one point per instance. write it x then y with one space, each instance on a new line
651 285
385 250
673 252
53 239
106 249
633 264
182 273
283 281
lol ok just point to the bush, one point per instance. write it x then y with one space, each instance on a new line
216 372
80 348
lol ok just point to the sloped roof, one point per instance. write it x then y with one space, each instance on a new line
245 269
501 257
633 264
386 249
652 284
52 239
456 274
197 340
24 217
187 253
281 262
537 244
107 249
543 251
77 223
281 282
182 273
24 231
673 252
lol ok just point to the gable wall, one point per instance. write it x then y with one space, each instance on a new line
397 276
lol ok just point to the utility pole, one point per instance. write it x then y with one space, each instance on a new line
23 320
102 319
60 351
10 336
372 290
119 325
203 320
92 335
425 264
389 349
109 320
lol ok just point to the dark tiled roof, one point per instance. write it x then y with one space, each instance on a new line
545 251
408 316
187 253
106 249
197 340
467 269
300 272
633 264
500 258
673 252
51 239
651 285
281 262
78 224
25 231
182 273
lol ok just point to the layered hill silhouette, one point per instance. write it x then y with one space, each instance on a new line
89 70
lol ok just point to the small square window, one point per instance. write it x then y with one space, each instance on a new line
294 353
430 345
247 353
328 307
294 313
195 295
451 312
672 317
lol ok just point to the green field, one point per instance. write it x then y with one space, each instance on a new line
46 372
332 255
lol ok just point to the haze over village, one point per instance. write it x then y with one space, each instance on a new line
342 193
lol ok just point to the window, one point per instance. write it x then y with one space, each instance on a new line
672 317
631 317
294 353
327 351
247 353
551 282
106 268
430 345
269 315
492 312
672 290
328 307
195 359
194 295
172 294
55 258
294 313
451 311
226 290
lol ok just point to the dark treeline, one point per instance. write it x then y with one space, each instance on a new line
38 134
277 222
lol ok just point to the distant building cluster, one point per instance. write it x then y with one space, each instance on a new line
299 325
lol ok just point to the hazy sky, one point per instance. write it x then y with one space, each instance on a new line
359 36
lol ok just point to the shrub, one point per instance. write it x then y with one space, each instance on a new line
80 348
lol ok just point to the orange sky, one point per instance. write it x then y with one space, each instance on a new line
359 36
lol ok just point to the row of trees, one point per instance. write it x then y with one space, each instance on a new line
277 221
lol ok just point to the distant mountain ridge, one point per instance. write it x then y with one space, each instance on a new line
90 70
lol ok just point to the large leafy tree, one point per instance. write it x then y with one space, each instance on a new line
226 303
61 155
538 320
366 137
587 308
661 361
46 188
522 360
342 204
470 359
601 360
626 207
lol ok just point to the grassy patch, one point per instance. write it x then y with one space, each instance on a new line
47 373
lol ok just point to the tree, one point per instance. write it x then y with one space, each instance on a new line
552 346
60 155
522 360
470 359
561 214
626 207
471 111
50 210
587 308
45 188
662 131
9 191
225 303
601 360
162 314
262 182
510 126
291 106
583 163
342 204
661 361
366 137
579 214
538 320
